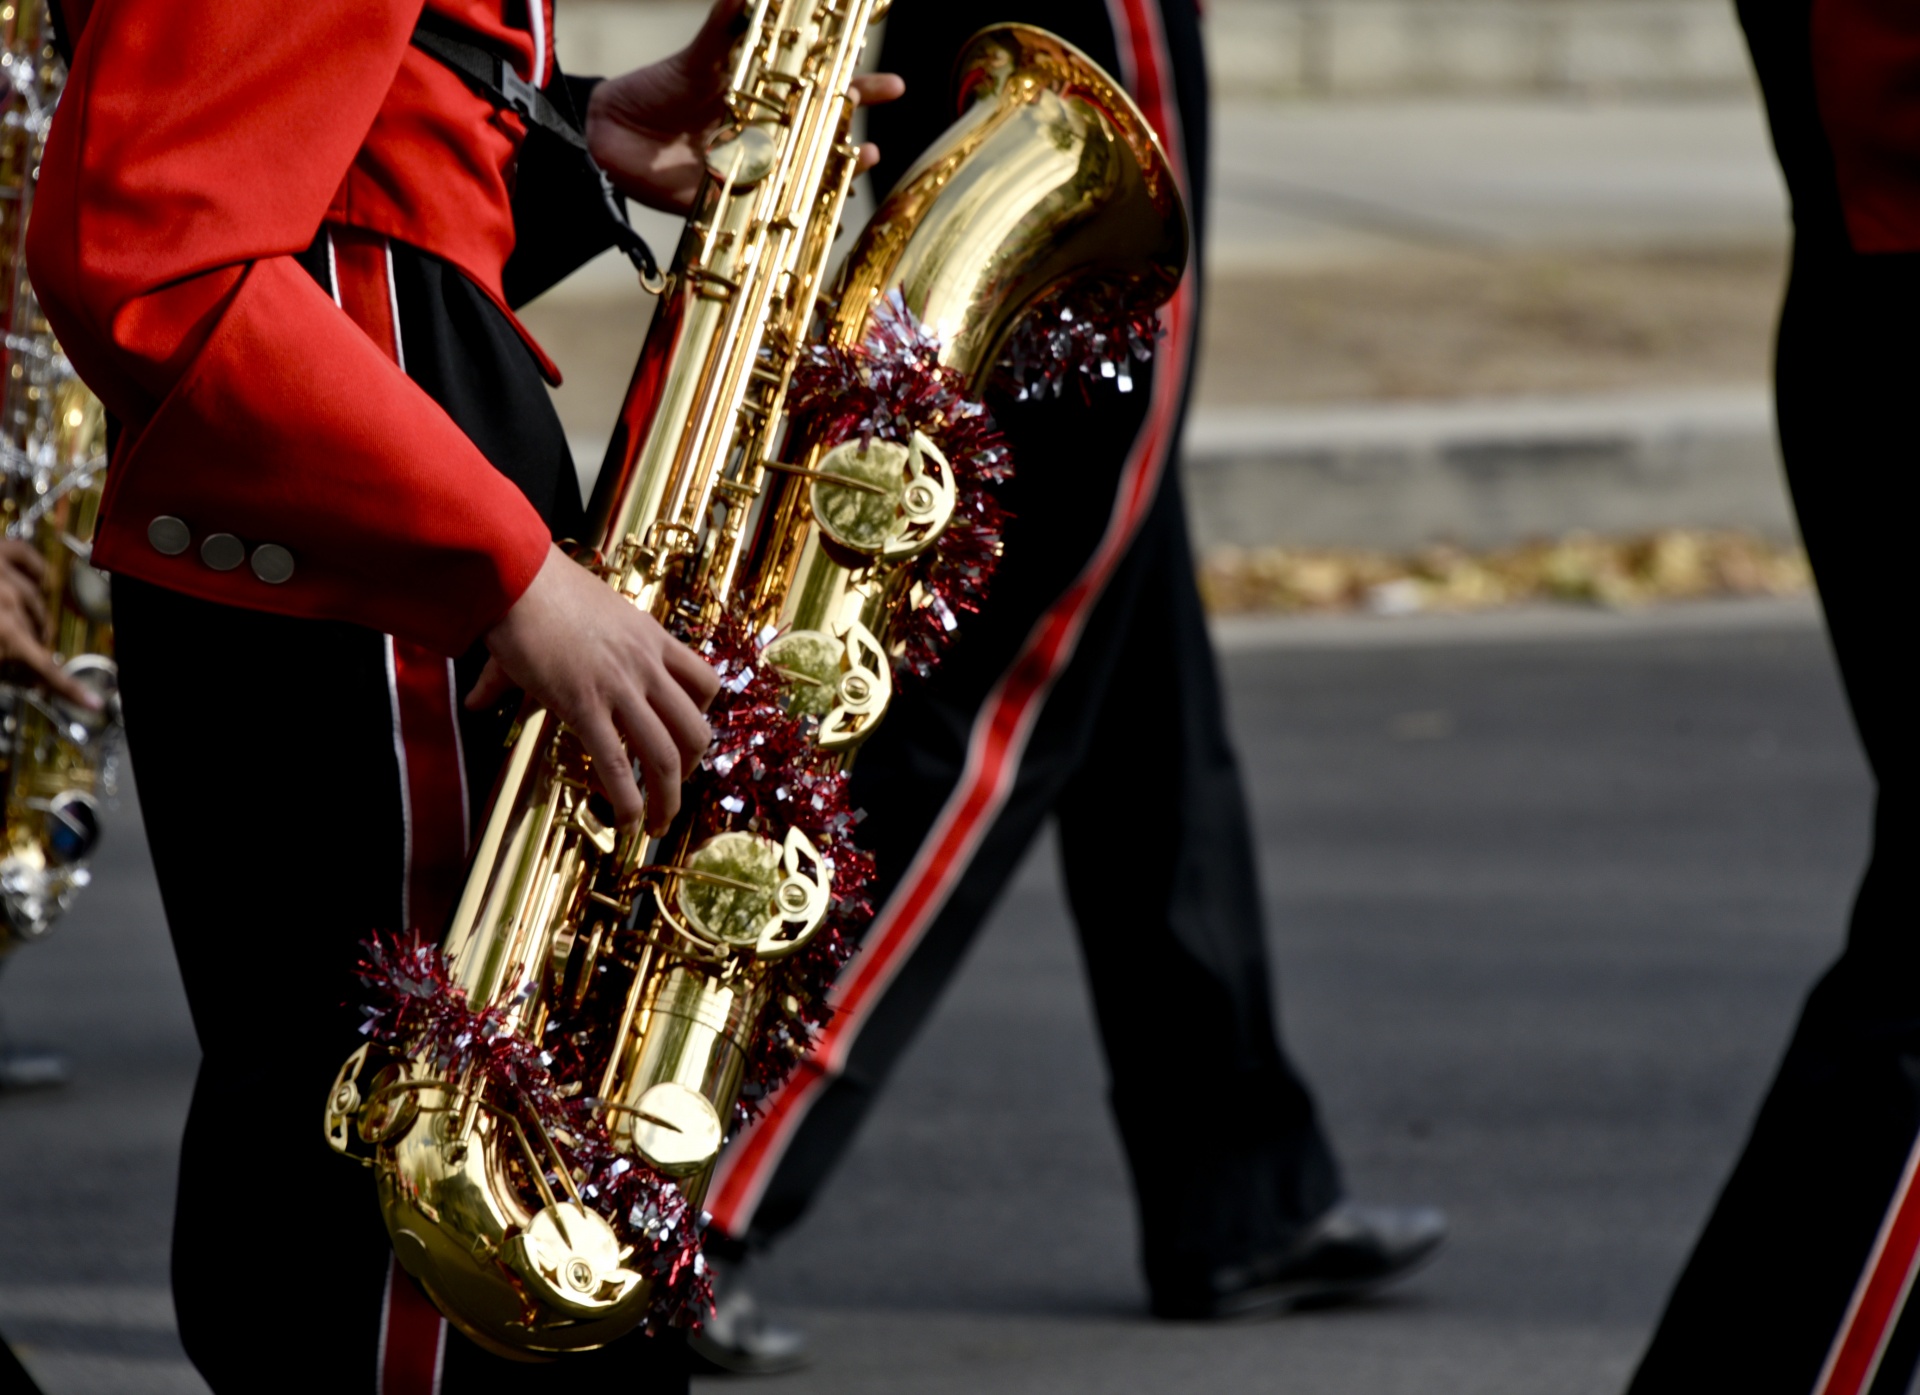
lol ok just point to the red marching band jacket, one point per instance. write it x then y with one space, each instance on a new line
198 148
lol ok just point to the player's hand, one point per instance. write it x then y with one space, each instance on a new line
649 129
630 691
23 616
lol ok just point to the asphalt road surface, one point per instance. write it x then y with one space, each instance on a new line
1543 900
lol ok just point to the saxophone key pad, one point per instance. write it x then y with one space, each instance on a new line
574 1258
845 680
745 157
676 1129
742 892
885 499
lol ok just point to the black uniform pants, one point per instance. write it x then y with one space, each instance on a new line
1128 751
1770 1289
269 761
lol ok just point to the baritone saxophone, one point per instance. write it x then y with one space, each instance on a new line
57 760
639 984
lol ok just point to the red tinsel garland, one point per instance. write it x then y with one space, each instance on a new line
764 774
417 1011
887 387
1091 334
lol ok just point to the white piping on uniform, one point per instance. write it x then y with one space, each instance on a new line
406 792
393 307
333 272
537 22
459 759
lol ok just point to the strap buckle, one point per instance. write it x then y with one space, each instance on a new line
522 96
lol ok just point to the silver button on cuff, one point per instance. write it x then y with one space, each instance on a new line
169 536
272 563
223 551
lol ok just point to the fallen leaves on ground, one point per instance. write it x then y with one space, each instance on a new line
1582 569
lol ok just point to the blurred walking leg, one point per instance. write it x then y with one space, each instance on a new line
1159 864
1801 1280
1090 665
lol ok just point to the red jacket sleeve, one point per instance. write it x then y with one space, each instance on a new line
195 152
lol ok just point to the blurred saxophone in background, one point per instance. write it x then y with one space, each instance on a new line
57 760
546 1093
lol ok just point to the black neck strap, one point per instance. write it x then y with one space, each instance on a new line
491 73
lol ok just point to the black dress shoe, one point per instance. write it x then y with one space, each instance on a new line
740 1340
1350 1251
14 1379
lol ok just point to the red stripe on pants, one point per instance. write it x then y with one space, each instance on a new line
1881 1295
428 732
1000 733
426 720
413 1339
426 739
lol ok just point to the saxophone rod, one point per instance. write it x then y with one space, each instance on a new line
845 481
803 162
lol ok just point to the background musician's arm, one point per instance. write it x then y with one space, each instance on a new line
23 614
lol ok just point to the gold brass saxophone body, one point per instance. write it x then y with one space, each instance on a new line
56 759
709 512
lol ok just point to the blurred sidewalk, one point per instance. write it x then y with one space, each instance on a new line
1485 473
1298 183
1592 282
1354 48
1595 280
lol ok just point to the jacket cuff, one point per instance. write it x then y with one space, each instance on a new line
296 470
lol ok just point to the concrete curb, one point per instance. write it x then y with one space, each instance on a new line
1484 473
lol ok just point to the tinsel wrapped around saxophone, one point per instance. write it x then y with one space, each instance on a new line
56 758
800 483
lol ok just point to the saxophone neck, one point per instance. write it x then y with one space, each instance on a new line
705 406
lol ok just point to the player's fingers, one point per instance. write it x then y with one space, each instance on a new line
684 725
612 769
23 556
21 579
32 603
869 156
659 761
58 680
21 625
725 22
693 673
489 688
871 89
